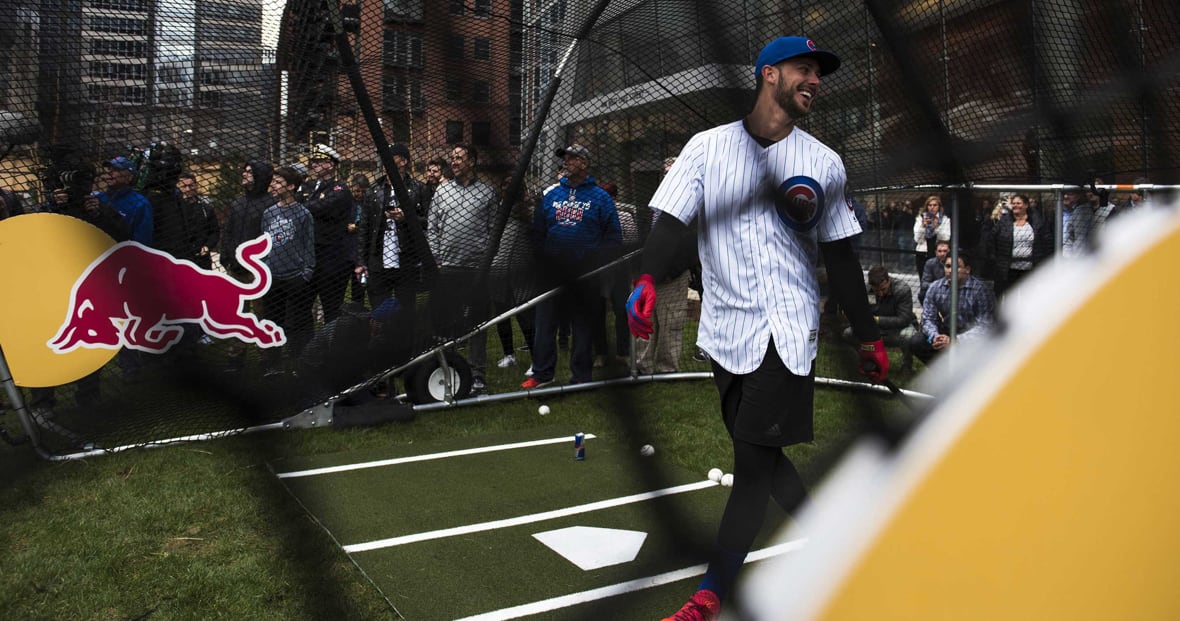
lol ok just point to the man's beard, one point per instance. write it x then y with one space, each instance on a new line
786 101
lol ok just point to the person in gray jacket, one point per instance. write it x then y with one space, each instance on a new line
459 232
292 262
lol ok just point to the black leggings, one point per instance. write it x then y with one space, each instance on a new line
759 473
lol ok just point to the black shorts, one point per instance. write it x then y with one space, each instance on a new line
770 406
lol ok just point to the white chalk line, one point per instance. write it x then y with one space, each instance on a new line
526 519
415 458
574 599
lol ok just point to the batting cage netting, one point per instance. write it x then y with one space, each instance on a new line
323 194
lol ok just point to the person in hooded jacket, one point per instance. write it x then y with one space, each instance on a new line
245 215
575 229
245 223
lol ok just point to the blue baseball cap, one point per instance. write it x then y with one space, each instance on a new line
122 163
783 48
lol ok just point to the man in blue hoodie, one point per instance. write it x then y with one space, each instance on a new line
575 229
119 176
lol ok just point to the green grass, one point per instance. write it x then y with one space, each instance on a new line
205 531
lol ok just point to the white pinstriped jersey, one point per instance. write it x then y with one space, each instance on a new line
761 213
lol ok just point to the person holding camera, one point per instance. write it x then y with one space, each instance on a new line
72 194
930 227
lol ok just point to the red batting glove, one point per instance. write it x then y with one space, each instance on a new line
874 362
640 306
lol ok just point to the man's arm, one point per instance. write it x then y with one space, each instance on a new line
662 247
901 314
929 315
983 305
844 277
212 226
365 229
307 243
437 215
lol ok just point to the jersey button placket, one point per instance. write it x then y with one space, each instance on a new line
762 221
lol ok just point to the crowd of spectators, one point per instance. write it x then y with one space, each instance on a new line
332 238
1001 240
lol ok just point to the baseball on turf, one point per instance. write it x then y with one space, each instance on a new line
647 450
727 480
715 475
543 410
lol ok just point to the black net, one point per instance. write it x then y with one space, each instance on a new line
196 127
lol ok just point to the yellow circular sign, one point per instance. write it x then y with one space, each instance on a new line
43 256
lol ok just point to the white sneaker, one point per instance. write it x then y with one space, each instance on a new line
506 361
529 372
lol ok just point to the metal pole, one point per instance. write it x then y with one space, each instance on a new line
1058 221
18 404
954 320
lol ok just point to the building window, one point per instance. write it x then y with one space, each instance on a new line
209 99
515 54
454 90
116 94
118 71
457 7
403 49
483 49
455 45
243 34
229 11
483 8
121 5
118 25
515 129
480 92
481 133
403 10
118 47
402 93
454 132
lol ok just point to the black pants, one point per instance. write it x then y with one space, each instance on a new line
579 305
333 270
458 302
288 304
761 470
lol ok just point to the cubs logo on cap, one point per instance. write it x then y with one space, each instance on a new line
784 48
799 202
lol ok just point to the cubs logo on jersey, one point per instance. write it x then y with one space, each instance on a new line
799 202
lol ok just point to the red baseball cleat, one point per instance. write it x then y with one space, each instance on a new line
702 606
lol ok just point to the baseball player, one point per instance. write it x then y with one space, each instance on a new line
769 200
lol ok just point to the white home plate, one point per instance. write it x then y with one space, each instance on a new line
592 548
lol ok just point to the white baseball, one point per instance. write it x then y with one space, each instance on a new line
647 450
727 480
715 475
543 410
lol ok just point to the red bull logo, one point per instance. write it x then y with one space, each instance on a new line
140 298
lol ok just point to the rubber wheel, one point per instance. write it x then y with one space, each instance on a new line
426 382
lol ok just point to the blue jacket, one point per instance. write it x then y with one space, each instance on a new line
135 209
577 223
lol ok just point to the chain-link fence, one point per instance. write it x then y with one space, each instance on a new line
194 128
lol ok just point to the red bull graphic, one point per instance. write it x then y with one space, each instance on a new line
140 298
